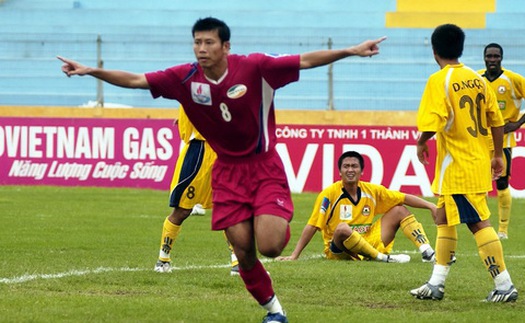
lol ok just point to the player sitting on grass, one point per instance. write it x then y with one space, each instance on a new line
344 213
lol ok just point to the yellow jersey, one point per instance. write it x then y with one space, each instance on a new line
334 205
461 108
510 91
187 131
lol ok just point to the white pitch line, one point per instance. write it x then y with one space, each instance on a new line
26 278
72 273
458 254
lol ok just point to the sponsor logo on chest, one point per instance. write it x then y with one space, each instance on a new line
345 212
201 93
237 91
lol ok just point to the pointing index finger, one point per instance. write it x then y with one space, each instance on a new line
62 59
380 39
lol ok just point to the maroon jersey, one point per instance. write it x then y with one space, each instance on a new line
236 114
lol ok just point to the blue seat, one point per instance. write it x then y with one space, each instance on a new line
139 37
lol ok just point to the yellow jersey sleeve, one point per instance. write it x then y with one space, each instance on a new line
433 112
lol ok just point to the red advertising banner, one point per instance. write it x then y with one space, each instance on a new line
142 153
88 152
310 156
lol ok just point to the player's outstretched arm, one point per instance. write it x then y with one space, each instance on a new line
118 78
308 232
324 57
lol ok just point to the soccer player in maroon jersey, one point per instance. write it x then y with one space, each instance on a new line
229 100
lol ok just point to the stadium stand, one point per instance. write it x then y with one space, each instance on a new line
430 13
142 36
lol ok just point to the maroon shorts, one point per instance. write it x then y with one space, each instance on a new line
247 187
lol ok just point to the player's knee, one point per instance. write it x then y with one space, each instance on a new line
178 215
395 215
343 228
341 233
272 246
400 210
502 183
271 251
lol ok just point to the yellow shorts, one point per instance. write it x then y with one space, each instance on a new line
464 208
191 182
373 236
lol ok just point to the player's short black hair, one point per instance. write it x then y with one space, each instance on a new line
447 41
210 23
351 153
493 45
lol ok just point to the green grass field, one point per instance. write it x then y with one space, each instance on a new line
87 255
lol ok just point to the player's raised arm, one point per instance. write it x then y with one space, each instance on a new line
118 78
323 57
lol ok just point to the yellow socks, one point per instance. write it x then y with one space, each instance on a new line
490 251
170 232
446 243
414 231
357 244
504 204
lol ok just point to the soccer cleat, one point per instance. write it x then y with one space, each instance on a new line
198 210
163 267
400 259
502 296
428 291
428 255
275 318
234 271
502 236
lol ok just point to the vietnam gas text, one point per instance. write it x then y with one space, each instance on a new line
88 152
